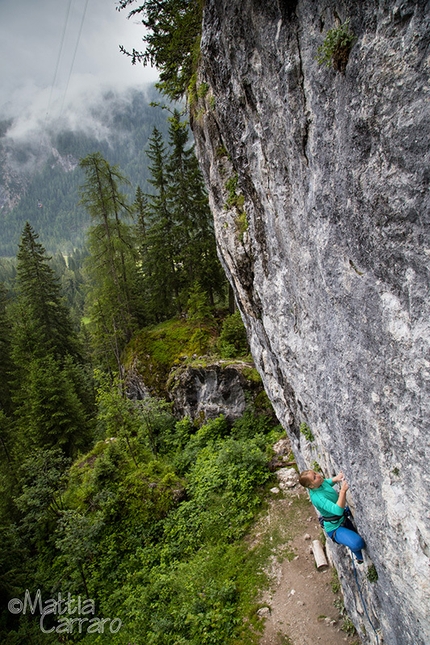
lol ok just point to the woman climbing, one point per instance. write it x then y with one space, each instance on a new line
331 505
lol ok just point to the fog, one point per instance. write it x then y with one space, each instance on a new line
59 57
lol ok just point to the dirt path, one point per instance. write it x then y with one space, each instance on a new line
299 607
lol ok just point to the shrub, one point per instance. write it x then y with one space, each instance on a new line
336 47
233 341
306 432
372 574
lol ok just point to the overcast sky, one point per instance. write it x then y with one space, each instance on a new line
56 53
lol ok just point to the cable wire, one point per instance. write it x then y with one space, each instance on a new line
74 55
59 57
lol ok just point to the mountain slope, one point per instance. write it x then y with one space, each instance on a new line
39 173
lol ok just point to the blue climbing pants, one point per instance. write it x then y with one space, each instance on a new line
347 535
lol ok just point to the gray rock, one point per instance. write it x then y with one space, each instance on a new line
263 612
134 384
282 448
288 477
329 255
204 393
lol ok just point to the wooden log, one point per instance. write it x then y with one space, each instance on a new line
319 555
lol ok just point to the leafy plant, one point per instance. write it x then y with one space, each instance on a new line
336 47
233 341
236 200
335 582
372 574
306 432
348 626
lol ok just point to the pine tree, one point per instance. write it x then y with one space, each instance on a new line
112 301
43 318
160 267
50 412
179 248
5 353
140 208
172 37
188 200
52 396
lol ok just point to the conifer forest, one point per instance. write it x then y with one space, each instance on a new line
122 521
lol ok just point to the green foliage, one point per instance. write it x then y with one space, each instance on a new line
112 301
335 582
348 626
5 352
233 341
198 306
251 374
156 350
172 566
202 90
161 550
172 38
71 275
306 432
42 483
149 523
51 414
45 320
234 199
336 47
315 466
178 246
242 224
52 394
372 574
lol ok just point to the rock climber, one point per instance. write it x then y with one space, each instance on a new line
331 505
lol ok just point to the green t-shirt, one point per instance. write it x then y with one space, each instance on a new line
324 499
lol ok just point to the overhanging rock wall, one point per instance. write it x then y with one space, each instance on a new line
318 183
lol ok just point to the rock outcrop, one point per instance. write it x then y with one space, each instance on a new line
203 393
318 183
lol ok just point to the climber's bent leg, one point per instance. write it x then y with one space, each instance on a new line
349 538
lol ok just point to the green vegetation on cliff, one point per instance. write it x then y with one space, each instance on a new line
115 502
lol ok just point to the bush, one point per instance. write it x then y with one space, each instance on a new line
336 47
163 551
233 341
307 432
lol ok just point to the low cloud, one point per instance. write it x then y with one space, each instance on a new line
39 40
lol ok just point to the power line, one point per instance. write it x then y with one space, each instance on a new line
59 56
74 54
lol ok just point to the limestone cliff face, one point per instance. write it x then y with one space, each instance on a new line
318 183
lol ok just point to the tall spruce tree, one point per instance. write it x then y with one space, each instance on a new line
179 250
5 353
51 389
190 207
160 267
112 301
44 320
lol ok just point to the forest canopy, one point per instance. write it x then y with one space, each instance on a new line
113 509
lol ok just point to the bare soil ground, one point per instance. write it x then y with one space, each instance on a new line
303 605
